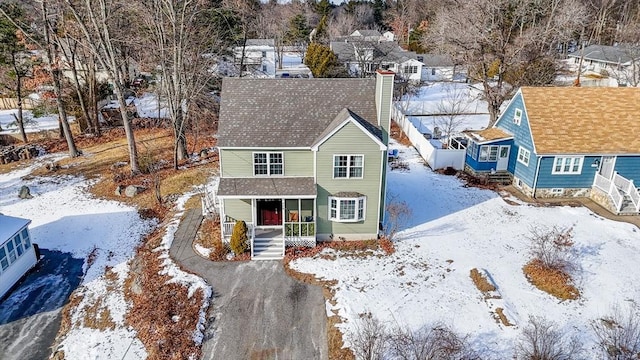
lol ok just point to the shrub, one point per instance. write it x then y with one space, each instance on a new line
239 241
553 281
618 334
541 340
435 342
370 340
398 215
552 246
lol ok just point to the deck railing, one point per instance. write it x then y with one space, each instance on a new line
616 187
602 183
227 229
616 196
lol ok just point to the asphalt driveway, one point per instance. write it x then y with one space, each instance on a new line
30 314
258 312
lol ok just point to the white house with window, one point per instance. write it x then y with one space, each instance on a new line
17 252
566 142
257 57
303 161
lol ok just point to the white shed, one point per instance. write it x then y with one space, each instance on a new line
17 253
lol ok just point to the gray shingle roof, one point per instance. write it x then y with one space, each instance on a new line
342 117
610 54
386 51
267 186
261 42
435 60
288 112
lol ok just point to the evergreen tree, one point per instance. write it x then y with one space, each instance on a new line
298 31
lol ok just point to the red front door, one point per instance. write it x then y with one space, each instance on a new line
270 212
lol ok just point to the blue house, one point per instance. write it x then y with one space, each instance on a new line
566 142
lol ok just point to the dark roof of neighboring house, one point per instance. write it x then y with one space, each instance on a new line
583 120
387 51
609 54
367 33
267 186
435 60
288 112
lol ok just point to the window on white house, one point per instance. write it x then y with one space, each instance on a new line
348 166
517 117
411 69
488 153
25 238
347 209
433 71
567 165
264 54
264 68
12 252
268 163
4 261
523 156
18 243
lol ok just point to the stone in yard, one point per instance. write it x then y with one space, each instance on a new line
119 190
204 153
25 192
133 190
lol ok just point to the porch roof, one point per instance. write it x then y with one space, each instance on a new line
267 187
487 135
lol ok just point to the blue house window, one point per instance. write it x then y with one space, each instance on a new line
517 117
567 165
523 156
488 153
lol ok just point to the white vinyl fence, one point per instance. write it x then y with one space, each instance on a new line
430 150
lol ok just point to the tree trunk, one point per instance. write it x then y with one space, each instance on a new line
128 130
76 82
19 118
55 74
93 97
180 148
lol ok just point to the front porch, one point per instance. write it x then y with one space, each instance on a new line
275 224
617 193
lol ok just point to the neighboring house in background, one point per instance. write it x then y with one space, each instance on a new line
17 254
368 35
303 160
437 67
389 36
619 62
259 57
363 58
566 142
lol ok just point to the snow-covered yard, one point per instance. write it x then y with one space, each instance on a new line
32 124
67 218
454 229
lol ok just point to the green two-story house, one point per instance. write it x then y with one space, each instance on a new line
303 160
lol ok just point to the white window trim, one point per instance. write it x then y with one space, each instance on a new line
524 154
253 160
333 167
562 160
18 249
517 116
355 213
488 159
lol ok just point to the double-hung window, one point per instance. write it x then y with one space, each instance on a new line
268 163
488 153
517 116
4 261
347 209
567 165
523 156
348 166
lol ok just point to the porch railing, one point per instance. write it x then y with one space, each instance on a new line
616 187
227 230
295 229
628 187
602 183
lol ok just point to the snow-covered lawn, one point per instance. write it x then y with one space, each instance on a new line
455 228
46 122
66 217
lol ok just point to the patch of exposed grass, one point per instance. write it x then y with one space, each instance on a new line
552 281
502 317
398 135
481 281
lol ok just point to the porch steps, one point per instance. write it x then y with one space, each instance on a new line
627 206
268 249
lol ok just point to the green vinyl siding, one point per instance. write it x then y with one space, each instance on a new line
239 162
238 209
350 140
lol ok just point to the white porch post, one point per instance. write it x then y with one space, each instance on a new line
253 224
222 220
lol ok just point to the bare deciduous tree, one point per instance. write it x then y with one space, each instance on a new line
618 333
542 340
371 338
398 215
552 246
450 109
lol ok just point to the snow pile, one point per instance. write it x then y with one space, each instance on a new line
147 106
192 282
454 229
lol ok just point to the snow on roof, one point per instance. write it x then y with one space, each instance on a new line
10 225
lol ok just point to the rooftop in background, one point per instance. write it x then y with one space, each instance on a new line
609 54
260 42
